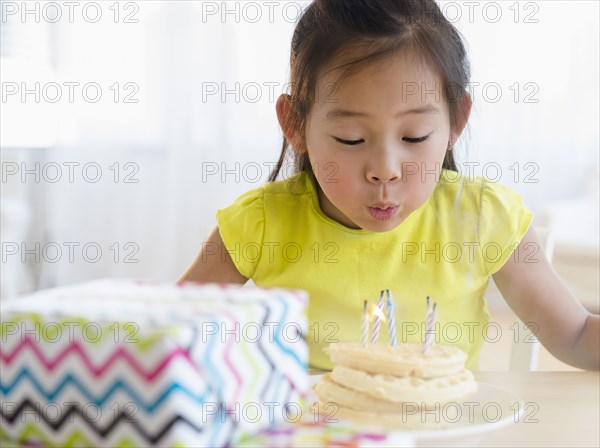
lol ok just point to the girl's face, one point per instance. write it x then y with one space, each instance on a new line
377 142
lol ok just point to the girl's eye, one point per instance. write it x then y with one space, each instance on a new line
358 142
349 142
416 140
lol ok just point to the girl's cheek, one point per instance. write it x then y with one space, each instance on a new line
421 182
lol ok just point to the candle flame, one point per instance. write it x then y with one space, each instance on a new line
376 311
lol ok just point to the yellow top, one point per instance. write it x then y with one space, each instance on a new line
448 248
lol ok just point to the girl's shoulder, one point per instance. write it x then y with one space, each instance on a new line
476 191
280 198
494 212
298 184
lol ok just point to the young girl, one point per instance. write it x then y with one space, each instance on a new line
378 99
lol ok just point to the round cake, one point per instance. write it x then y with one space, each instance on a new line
397 386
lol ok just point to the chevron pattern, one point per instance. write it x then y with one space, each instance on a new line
186 386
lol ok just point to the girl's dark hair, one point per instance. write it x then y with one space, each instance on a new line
366 31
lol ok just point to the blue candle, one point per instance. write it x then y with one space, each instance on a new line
391 319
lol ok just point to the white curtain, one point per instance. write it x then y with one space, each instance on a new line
186 121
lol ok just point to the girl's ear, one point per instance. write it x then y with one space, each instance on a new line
284 115
463 118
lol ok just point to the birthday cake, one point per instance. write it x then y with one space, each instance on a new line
120 363
396 386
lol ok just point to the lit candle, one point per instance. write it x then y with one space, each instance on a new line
365 325
391 319
378 317
430 327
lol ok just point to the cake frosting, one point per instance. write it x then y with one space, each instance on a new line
396 386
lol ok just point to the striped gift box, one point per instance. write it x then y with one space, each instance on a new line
120 363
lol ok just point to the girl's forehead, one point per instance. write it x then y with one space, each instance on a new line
395 80
362 60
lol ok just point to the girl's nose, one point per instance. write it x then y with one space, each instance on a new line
384 178
384 171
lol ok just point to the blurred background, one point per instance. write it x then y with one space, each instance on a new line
126 125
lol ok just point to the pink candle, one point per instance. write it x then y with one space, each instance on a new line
377 322
365 325
430 327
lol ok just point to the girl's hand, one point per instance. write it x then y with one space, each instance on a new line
213 263
536 294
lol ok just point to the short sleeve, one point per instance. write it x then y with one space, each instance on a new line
242 228
503 221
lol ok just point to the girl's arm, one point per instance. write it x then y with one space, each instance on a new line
536 294
213 263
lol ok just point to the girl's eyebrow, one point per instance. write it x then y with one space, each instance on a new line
335 114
